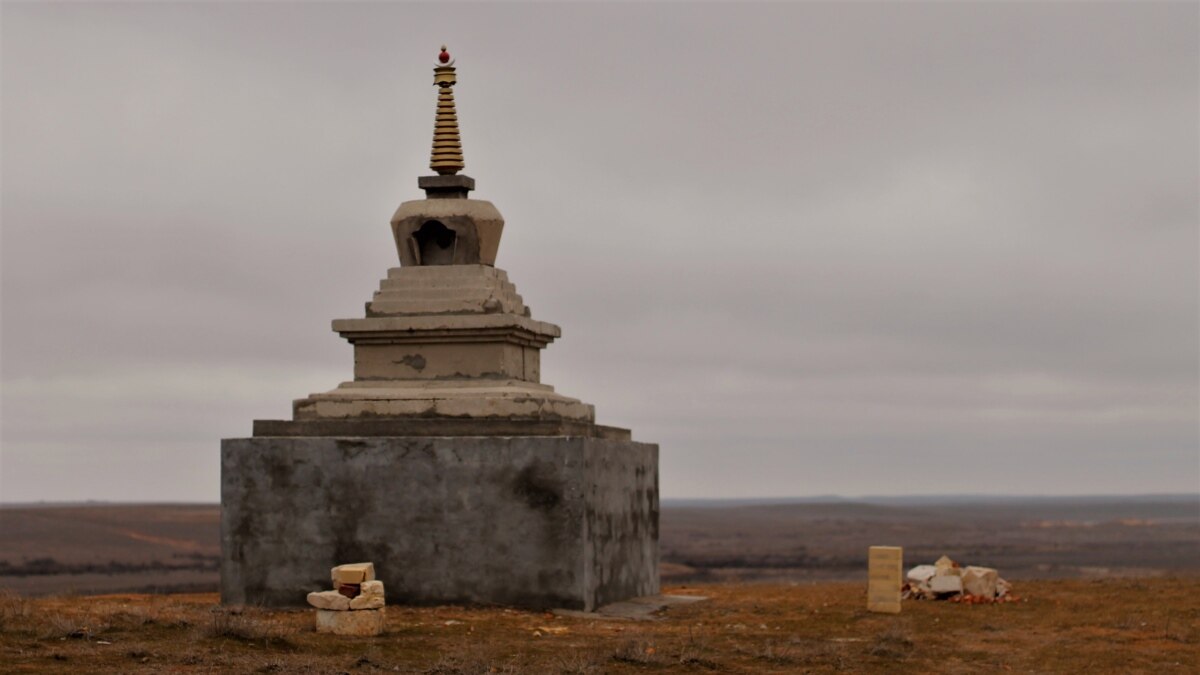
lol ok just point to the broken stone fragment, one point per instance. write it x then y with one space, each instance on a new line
946 583
980 581
329 600
372 588
367 602
352 573
368 622
348 590
921 573
945 565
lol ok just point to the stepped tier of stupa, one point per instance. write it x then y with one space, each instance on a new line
443 350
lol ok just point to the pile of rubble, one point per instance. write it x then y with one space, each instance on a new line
354 606
947 580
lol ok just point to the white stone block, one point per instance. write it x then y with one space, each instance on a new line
921 573
330 600
367 602
946 583
980 581
368 622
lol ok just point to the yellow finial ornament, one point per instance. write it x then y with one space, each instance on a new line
447 156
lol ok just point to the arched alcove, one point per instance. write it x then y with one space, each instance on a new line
436 243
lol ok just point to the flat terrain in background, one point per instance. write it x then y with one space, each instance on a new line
1022 538
1106 585
174 548
146 548
1074 626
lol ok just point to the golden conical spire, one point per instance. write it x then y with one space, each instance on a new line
447 157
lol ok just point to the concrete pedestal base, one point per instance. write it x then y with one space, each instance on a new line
536 521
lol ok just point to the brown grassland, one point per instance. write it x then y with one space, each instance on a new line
1066 626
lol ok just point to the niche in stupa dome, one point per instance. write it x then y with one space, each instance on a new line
435 244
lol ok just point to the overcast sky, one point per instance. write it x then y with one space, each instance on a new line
806 248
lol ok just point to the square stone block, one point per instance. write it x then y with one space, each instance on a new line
533 521
352 573
364 622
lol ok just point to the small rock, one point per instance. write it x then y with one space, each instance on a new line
921 573
367 602
945 565
352 573
348 590
946 583
329 600
372 588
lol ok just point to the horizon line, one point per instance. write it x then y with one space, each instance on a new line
807 498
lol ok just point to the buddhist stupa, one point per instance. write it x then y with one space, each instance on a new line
445 460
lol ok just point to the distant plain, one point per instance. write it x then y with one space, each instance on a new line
130 548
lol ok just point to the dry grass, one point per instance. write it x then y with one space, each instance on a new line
14 610
1118 626
892 643
247 625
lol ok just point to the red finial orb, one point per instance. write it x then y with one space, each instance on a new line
444 57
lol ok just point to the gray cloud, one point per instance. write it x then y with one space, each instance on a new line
807 248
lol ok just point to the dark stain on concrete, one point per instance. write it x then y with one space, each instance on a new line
414 361
351 448
538 489
346 503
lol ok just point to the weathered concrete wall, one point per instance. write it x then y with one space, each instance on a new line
621 541
526 521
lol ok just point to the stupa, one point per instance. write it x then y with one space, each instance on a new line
446 460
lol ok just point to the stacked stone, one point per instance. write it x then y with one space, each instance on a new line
947 580
354 606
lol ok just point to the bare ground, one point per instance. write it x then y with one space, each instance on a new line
1071 626
775 575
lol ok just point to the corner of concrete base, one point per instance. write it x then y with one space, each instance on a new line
537 522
